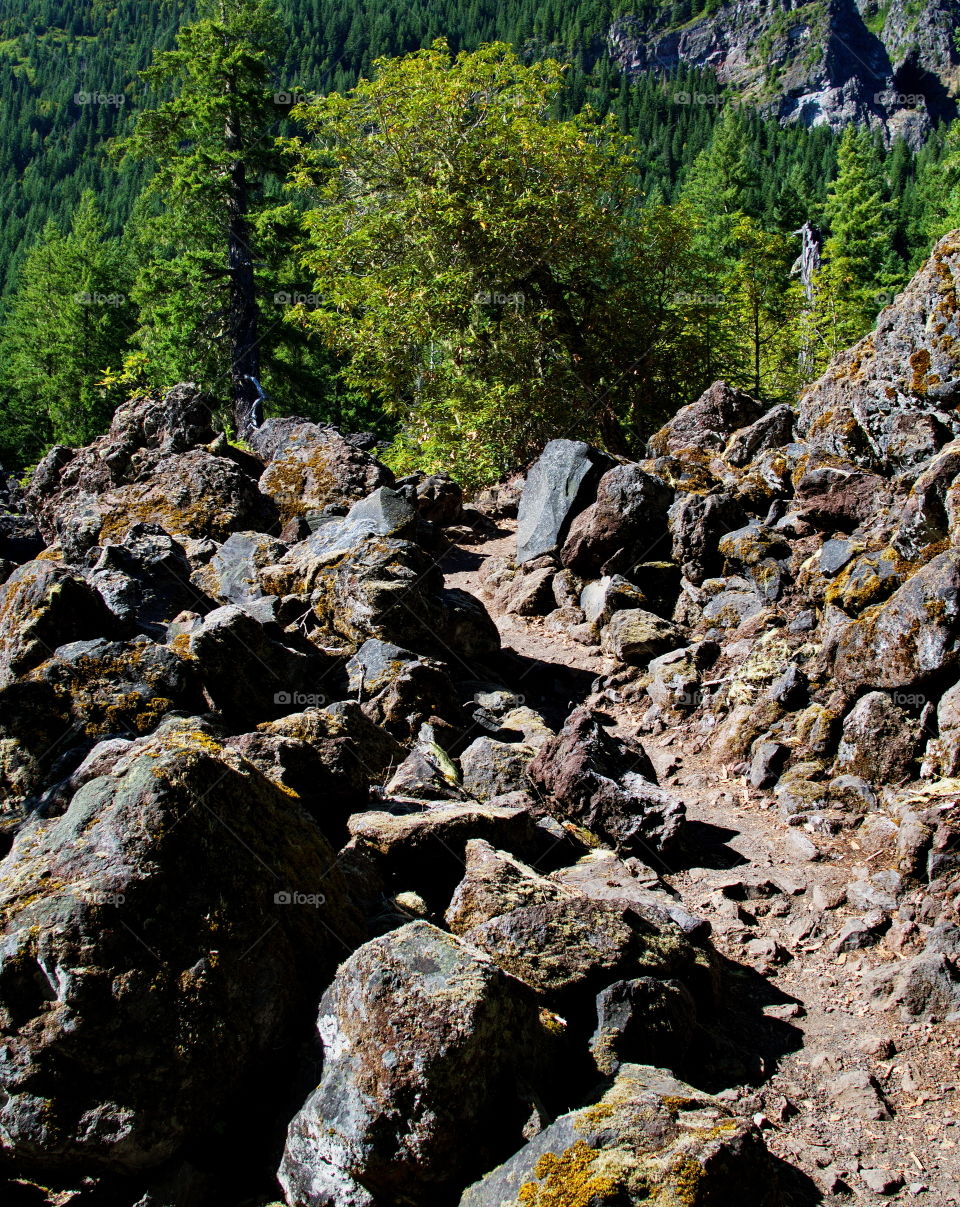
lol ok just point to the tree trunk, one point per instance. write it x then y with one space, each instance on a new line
244 314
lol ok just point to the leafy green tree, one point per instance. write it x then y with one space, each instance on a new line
486 272
212 146
70 319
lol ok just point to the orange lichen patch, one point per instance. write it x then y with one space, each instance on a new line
920 364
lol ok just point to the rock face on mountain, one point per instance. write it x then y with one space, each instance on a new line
890 66
300 868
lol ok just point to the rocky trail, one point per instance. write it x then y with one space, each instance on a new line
593 842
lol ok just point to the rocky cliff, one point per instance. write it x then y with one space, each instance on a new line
324 875
892 66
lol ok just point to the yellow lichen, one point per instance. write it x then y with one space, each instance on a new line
567 1180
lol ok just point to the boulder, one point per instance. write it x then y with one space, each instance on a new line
696 522
599 783
399 689
705 425
612 593
439 499
879 740
425 1043
43 605
232 575
310 468
630 513
560 484
495 883
635 636
491 768
770 431
248 675
649 1139
911 637
642 1021
145 580
138 995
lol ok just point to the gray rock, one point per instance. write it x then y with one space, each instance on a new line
706 424
424 1042
634 636
770 431
231 575
766 763
857 1092
491 768
560 484
879 740
834 555
132 1015
649 1137
629 517
600 599
642 1020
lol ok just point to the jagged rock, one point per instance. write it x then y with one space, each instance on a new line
344 736
634 636
45 604
705 425
145 580
879 740
648 1138
768 432
674 685
439 499
561 483
766 763
603 876
832 494
132 1015
232 574
152 466
913 635
924 519
310 468
494 883
491 768
526 594
642 1020
112 687
696 524
597 782
567 948
427 773
399 689
249 676
858 1093
629 513
927 985
424 846
425 1042
600 599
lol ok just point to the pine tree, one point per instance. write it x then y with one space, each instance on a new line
859 272
70 319
213 147
717 186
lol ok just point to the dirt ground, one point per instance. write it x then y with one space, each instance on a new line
860 1106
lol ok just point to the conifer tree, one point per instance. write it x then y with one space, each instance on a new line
70 319
212 144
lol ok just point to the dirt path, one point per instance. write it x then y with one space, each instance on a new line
861 1107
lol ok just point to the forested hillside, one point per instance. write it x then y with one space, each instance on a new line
114 277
